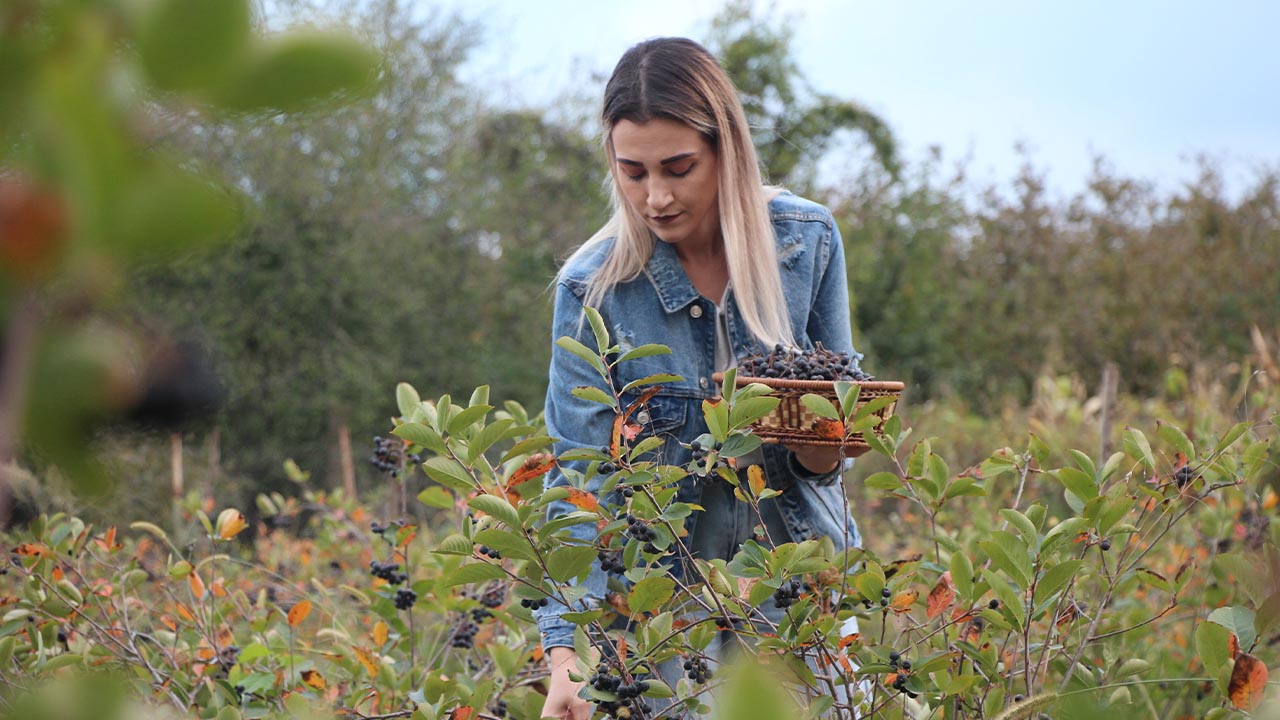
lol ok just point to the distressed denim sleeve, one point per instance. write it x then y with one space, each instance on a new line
576 423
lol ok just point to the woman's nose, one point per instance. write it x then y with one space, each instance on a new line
659 195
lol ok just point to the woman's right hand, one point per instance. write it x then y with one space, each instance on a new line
563 702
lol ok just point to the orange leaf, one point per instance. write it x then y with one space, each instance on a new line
185 613
903 601
314 679
848 640
1233 645
380 633
32 549
1248 682
58 574
466 712
755 476
645 397
583 499
941 596
299 612
367 659
1067 615
618 602
197 585
828 429
230 523
534 466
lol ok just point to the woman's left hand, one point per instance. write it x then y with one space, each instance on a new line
817 460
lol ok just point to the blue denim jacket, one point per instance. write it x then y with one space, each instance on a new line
662 306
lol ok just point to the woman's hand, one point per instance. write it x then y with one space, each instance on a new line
563 702
817 460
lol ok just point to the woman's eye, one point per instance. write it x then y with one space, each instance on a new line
637 177
680 170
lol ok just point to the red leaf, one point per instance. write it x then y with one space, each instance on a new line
534 466
941 596
1248 682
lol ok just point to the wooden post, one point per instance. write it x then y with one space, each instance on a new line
176 480
1110 385
344 459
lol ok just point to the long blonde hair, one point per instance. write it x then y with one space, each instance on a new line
678 79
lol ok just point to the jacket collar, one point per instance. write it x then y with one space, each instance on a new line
669 278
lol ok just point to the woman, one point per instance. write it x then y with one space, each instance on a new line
701 257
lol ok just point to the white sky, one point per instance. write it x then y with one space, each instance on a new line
1149 84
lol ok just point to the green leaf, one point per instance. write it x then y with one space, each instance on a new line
407 399
883 481
1137 447
962 575
487 437
450 473
1009 553
295 71
820 406
964 486
498 508
872 406
1212 642
847 393
1078 482
468 417
476 572
651 380
1084 462
526 446
570 561
192 44
1268 614
648 594
595 394
644 351
1173 435
745 412
419 434
597 328
1063 531
506 542
585 353
1055 578
717 417
1012 603
455 544
1023 525
583 618
1238 620
1232 435
739 445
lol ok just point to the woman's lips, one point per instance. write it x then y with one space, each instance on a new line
666 219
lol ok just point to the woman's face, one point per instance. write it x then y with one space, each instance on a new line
667 172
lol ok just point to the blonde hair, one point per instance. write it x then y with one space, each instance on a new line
678 79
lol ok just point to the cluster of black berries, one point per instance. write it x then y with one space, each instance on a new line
611 562
793 364
695 669
1184 475
786 595
699 452
479 615
606 468
494 595
627 693
535 604
405 598
885 594
638 530
499 708
489 552
464 636
388 571
388 454
901 667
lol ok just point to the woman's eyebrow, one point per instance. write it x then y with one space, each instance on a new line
664 161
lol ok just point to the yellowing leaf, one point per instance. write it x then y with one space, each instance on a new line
755 477
903 601
1248 682
197 585
299 612
230 523
941 596
583 499
367 659
380 633
314 679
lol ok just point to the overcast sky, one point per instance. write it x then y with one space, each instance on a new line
1147 84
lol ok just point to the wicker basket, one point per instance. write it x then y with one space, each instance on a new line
792 423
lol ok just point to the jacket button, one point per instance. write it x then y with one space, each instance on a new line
643 417
696 311
702 382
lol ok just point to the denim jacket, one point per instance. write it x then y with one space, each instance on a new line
662 306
